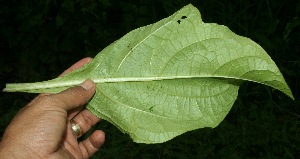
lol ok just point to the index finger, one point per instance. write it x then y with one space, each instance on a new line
77 65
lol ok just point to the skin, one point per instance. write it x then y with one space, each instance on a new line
42 129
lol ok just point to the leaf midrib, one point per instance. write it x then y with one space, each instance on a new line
69 83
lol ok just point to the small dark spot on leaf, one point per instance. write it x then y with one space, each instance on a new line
151 109
183 17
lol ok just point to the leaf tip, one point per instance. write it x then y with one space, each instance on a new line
291 96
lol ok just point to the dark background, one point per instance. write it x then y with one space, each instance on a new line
41 38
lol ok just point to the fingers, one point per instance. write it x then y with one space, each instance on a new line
85 119
92 144
76 96
77 65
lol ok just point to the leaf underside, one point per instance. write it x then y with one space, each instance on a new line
170 77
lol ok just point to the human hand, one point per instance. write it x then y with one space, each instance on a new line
42 129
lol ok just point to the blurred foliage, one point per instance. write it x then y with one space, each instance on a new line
41 38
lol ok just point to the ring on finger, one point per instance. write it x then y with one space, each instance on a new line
76 128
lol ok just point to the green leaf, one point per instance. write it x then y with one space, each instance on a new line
173 76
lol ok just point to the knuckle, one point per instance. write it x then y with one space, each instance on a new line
87 119
49 101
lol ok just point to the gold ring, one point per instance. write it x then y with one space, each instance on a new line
75 128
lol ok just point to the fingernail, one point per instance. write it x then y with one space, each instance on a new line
87 84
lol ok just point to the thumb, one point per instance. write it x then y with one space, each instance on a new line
75 96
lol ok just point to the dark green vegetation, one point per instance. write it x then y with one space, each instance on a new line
39 39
